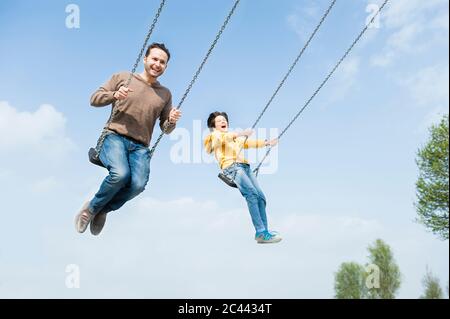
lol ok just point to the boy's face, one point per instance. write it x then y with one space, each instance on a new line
221 124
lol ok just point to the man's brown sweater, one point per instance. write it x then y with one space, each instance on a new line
137 114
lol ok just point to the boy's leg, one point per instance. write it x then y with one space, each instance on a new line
262 202
250 194
114 155
139 161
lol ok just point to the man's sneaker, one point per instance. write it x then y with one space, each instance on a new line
83 218
267 238
98 222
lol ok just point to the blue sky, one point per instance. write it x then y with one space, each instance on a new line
344 174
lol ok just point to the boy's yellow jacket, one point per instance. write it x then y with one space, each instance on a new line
226 147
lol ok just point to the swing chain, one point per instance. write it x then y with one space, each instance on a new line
95 153
292 67
205 59
333 70
147 38
199 70
256 170
358 38
161 135
295 63
133 71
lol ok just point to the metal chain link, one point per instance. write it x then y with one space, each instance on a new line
147 38
114 110
199 70
302 51
295 62
323 83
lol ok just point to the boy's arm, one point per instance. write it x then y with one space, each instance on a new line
232 136
255 144
105 94
260 143
249 143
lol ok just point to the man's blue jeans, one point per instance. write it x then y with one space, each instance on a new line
249 188
128 164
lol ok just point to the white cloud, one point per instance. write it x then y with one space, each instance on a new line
429 89
40 133
5 173
303 19
411 23
441 22
345 79
433 117
401 12
399 42
185 248
418 30
429 86
45 185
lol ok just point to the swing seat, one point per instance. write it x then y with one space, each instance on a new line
94 157
227 180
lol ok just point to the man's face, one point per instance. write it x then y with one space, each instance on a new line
221 124
156 62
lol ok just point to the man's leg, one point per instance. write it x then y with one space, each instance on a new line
139 161
114 155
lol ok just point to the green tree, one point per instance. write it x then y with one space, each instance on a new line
380 255
432 187
432 287
349 282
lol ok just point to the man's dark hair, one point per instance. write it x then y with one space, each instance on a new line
160 46
212 118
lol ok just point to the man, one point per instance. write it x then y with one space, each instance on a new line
125 151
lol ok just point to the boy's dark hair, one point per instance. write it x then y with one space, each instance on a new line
212 118
160 46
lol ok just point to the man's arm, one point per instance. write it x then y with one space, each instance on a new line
169 117
105 94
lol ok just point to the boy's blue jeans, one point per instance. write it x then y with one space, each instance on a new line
128 164
249 188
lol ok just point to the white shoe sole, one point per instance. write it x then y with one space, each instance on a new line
272 241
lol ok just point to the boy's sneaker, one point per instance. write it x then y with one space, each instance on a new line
274 233
83 218
267 238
